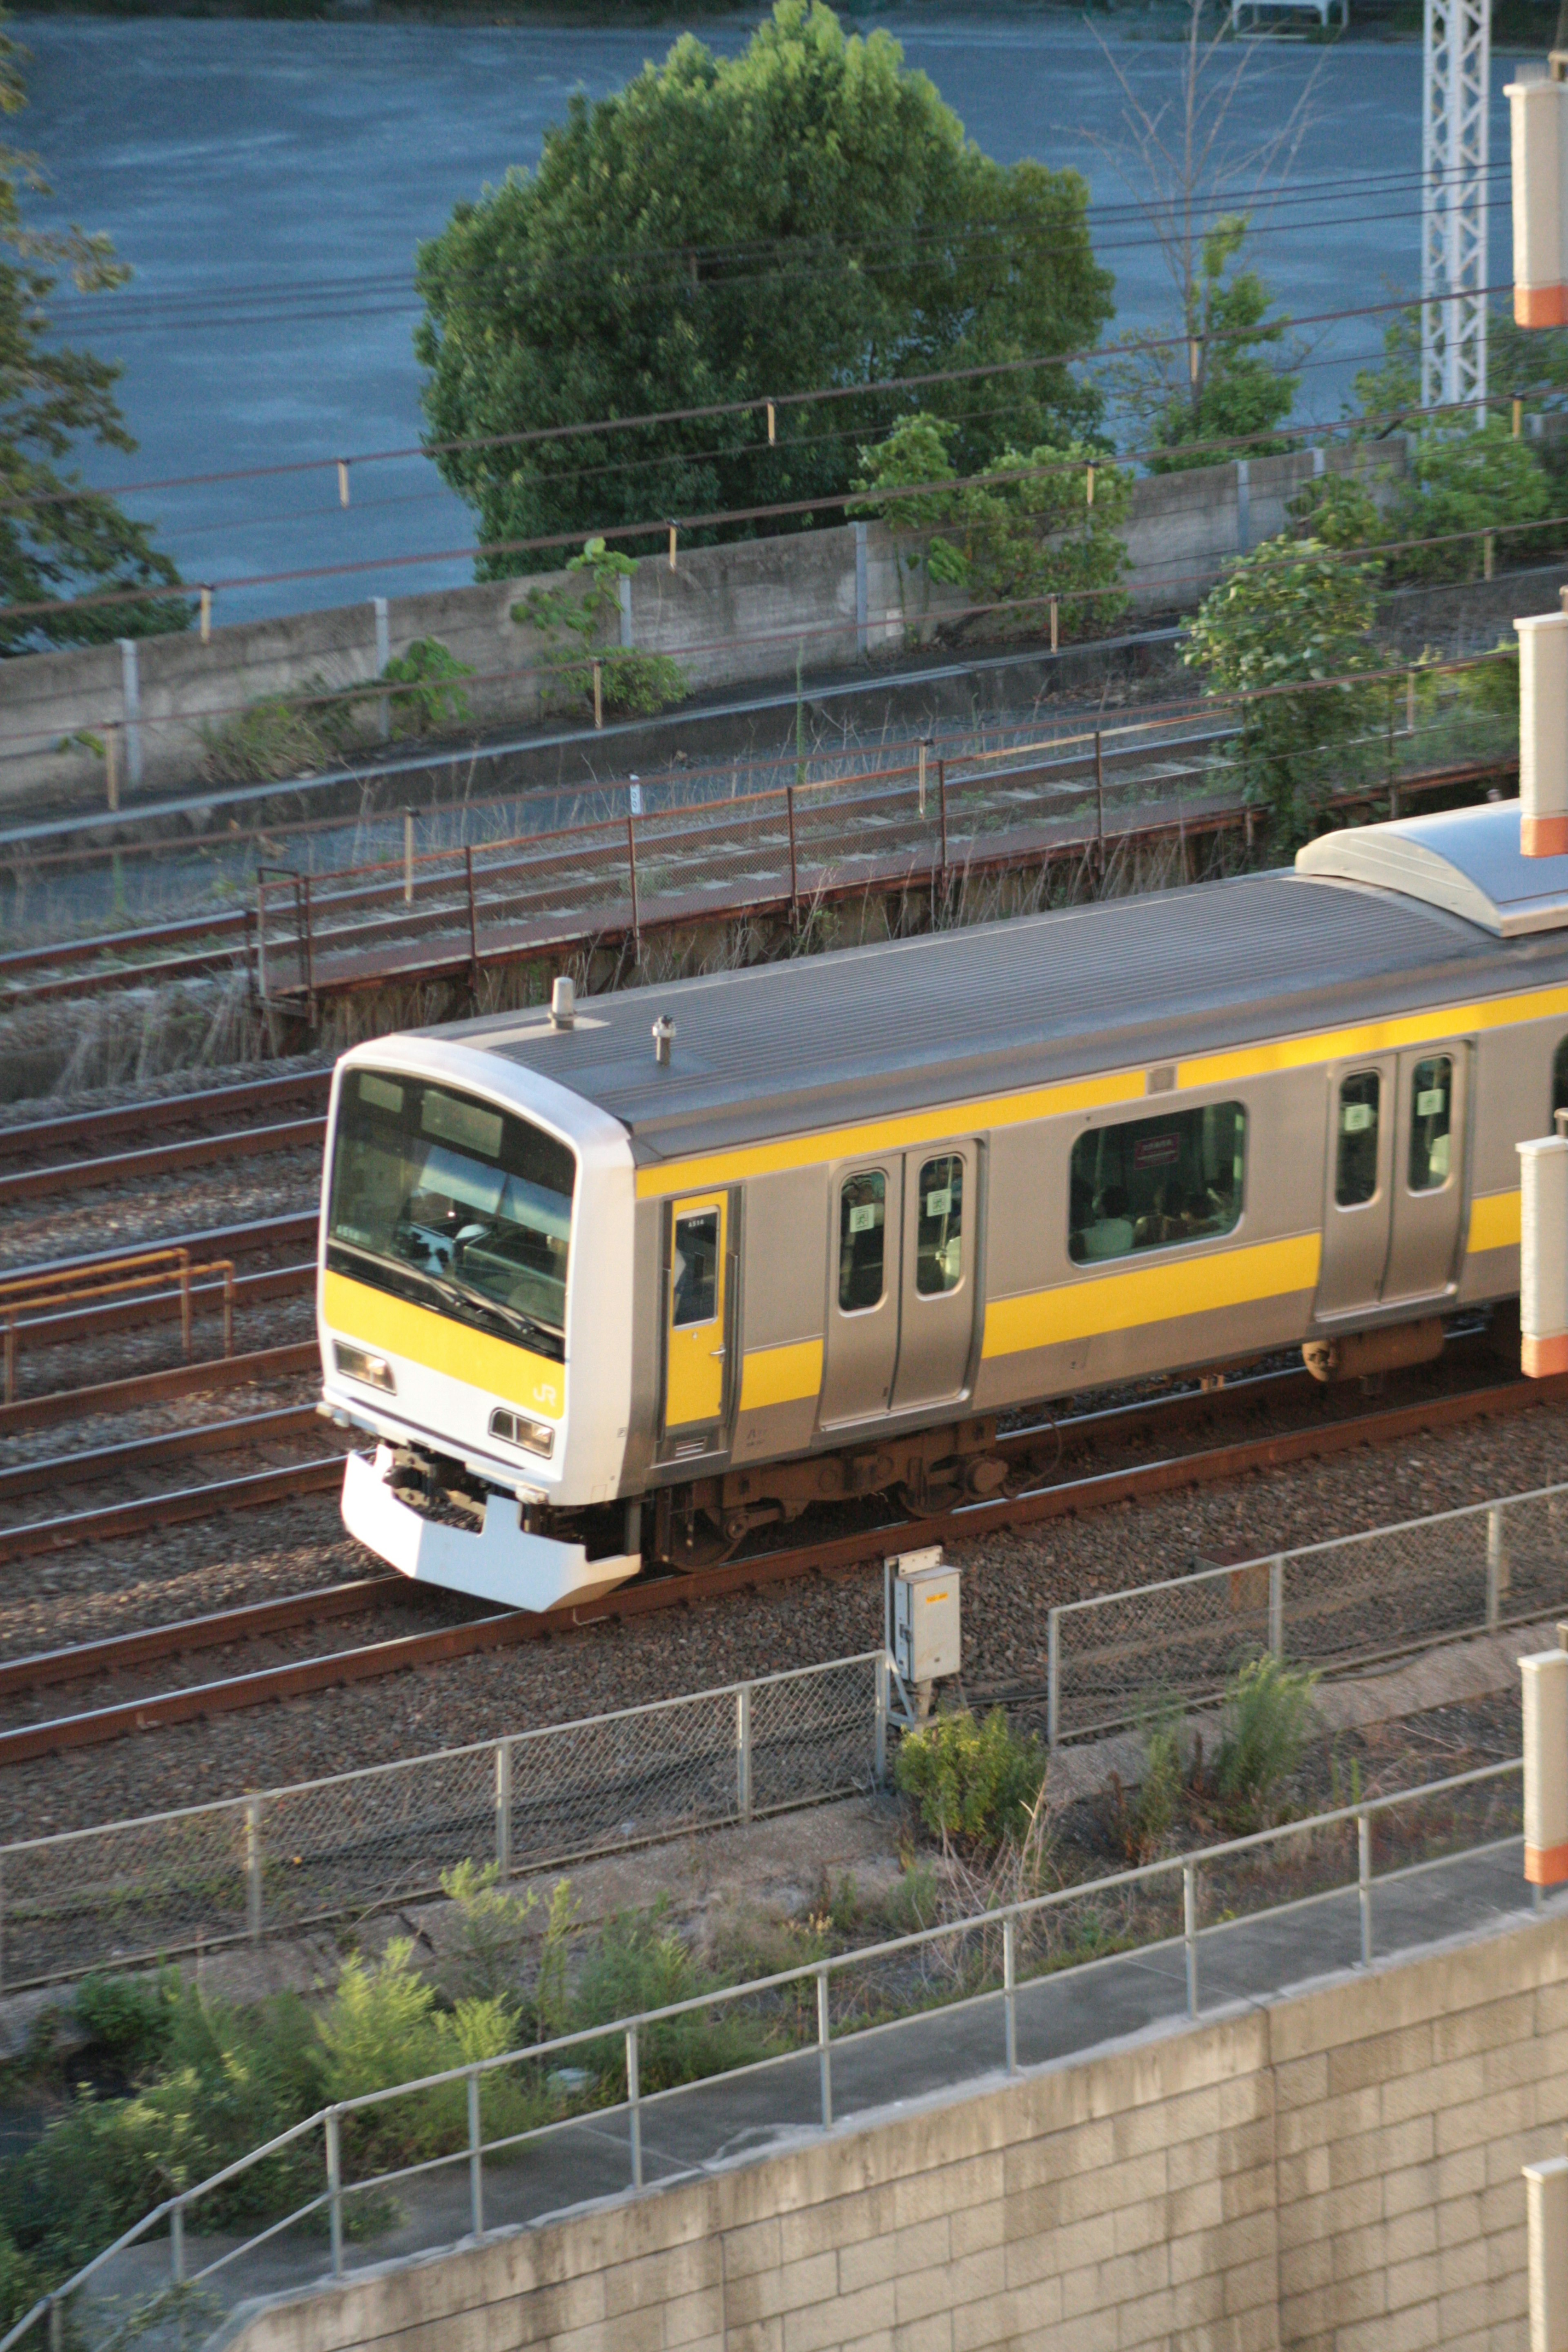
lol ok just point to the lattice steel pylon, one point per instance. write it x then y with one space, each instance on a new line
1454 204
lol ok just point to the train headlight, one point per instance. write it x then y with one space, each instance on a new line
359 1364
535 1435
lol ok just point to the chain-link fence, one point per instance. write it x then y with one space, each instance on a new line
255 1866
626 2105
1327 1604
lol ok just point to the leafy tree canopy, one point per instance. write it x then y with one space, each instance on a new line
1292 612
57 538
1022 531
1229 375
807 214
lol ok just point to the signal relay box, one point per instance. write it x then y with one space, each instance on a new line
925 1617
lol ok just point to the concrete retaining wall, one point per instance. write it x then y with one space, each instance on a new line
1337 2172
732 615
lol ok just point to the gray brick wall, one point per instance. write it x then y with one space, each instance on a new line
1338 2172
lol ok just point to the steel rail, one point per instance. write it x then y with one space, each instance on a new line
510 1628
62 1470
186 1634
160 1158
320 1476
58 983
33 1136
263 1365
212 1241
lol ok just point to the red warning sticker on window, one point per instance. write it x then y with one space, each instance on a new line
1157 1150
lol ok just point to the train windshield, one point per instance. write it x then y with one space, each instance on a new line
444 1200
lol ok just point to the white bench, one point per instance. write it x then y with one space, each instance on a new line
1322 9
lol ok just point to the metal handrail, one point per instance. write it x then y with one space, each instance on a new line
1006 1917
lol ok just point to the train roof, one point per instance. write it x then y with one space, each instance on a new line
782 1049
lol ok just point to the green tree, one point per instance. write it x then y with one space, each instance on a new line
57 538
1025 530
1228 378
807 214
1462 481
1291 611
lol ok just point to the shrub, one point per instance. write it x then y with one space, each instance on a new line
1143 1822
634 683
1465 482
973 1782
640 1963
128 2021
1338 510
1024 531
1291 611
1267 1718
266 743
492 1928
429 696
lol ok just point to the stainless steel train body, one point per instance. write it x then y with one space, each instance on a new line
591 1304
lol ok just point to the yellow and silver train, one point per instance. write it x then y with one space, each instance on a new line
600 1296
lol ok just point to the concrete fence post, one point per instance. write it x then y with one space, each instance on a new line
130 694
880 1735
1053 1678
383 655
743 1752
1242 505
862 603
253 1863
1544 1678
634 2106
1546 2218
623 598
503 1809
1497 1564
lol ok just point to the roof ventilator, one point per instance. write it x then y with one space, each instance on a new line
563 1002
663 1039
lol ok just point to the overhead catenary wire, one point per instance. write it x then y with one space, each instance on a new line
161 307
156 592
1097 355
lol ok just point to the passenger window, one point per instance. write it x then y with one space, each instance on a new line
939 1228
696 1268
1156 1181
1355 1167
1559 1080
862 1228
1431 1097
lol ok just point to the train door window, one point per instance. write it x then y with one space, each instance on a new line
1560 1080
939 1227
1431 1110
862 1240
695 1270
1152 1182
1355 1165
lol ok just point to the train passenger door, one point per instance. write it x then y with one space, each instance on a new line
1428 1173
696 1288
1360 1181
864 1285
937 1323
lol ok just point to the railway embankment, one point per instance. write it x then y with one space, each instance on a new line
1337 2165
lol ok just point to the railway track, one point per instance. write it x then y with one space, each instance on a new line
35 1141
144 1513
1339 1428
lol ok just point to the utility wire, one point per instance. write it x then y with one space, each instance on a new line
1097 355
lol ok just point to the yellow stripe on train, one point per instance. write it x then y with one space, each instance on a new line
396 1326
1153 1294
